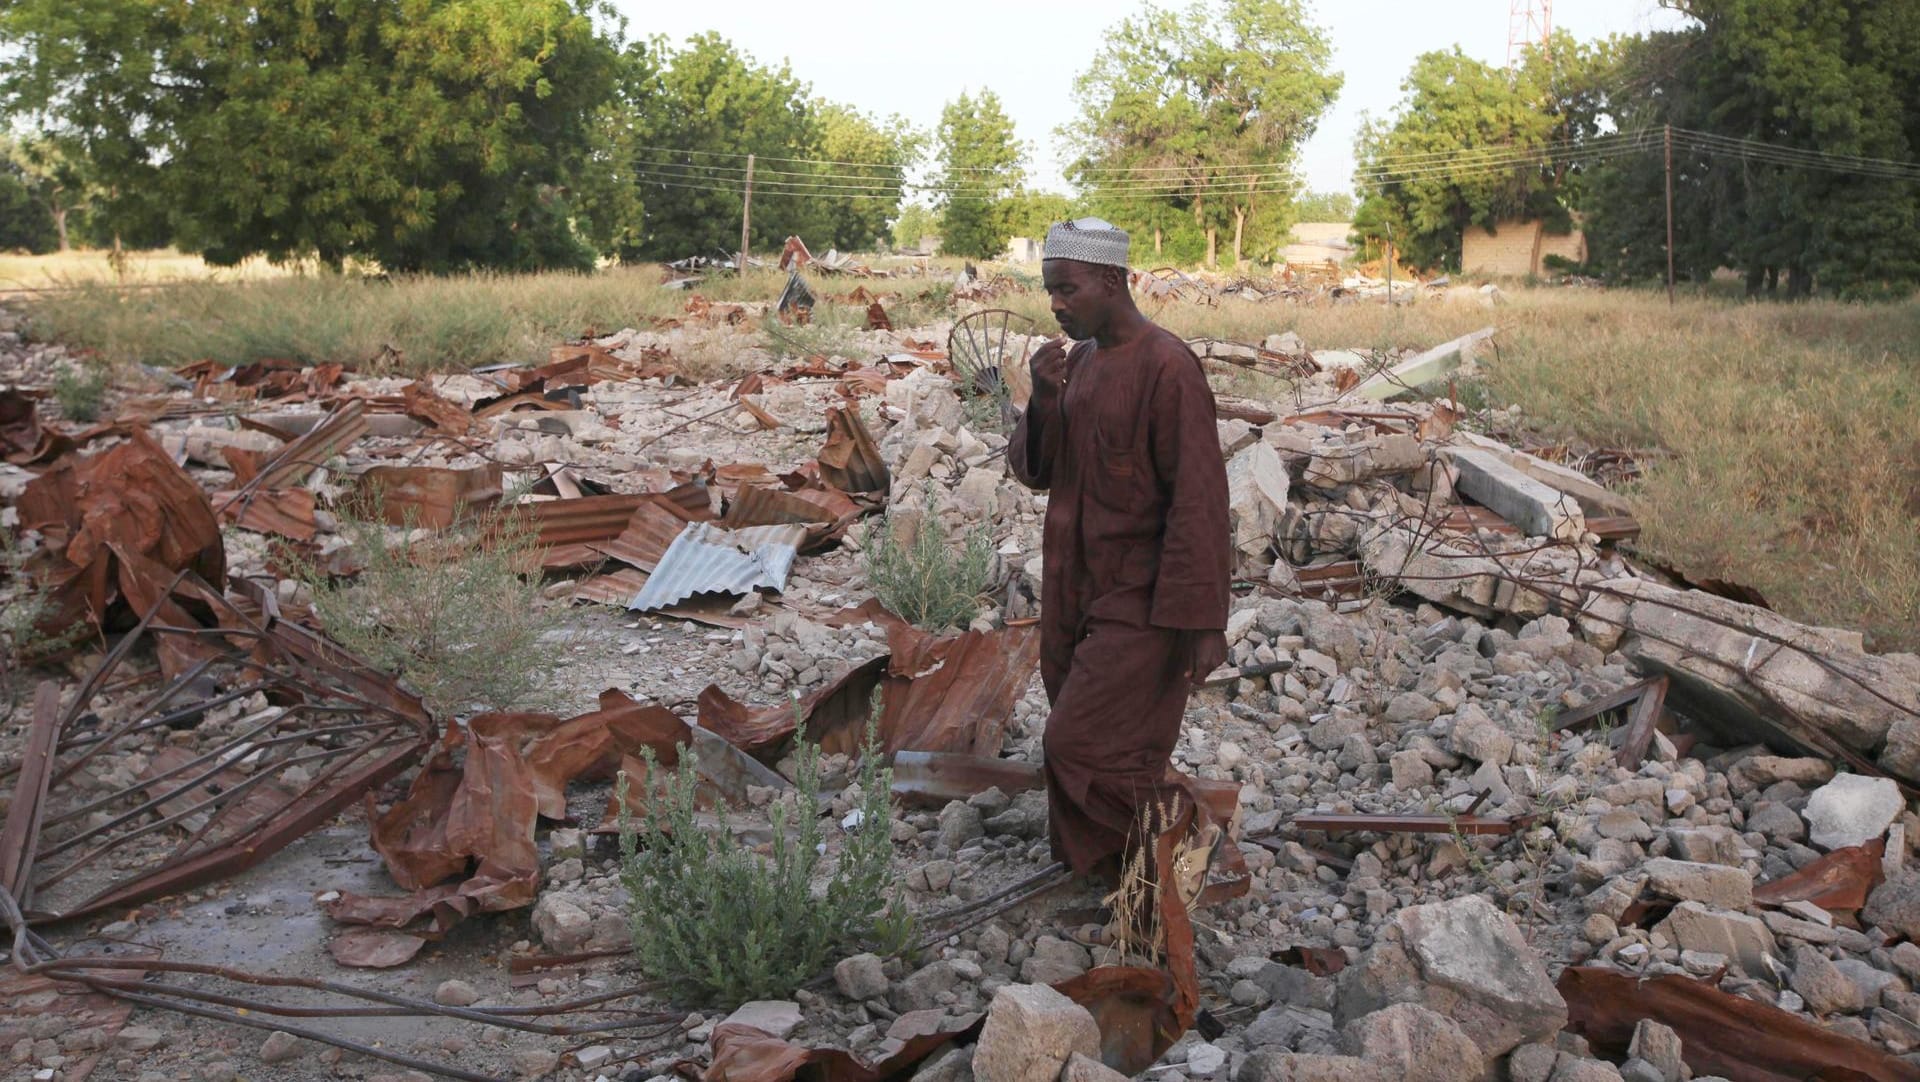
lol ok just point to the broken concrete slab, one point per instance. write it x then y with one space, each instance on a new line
1424 368
1031 1032
1256 497
1537 509
1687 881
1758 675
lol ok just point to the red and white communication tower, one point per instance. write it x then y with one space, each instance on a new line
1529 22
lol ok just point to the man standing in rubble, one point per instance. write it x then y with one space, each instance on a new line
1120 431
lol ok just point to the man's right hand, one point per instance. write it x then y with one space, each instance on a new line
1049 369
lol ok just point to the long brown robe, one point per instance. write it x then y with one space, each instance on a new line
1136 551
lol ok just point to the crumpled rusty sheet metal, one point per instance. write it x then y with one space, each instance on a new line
851 461
1838 882
24 440
938 694
475 817
1720 1034
434 497
310 451
286 512
428 406
113 520
742 1053
117 825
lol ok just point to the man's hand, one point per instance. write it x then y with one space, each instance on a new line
1203 652
1049 369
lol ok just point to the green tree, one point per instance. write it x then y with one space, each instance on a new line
870 159
427 134
1200 112
1471 144
54 179
1835 78
982 164
823 172
1028 213
1323 207
915 220
24 223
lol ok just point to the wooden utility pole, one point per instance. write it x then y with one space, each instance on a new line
746 217
1669 155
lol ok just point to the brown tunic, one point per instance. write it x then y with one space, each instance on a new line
1137 550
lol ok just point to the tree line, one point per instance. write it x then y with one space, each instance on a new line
444 135
1784 107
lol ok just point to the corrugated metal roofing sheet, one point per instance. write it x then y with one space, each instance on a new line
705 559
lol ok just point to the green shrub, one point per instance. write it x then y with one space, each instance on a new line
923 580
452 616
80 389
720 923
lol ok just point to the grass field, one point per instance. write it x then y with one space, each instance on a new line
1785 452
83 266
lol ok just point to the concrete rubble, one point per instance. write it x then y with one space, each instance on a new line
1426 604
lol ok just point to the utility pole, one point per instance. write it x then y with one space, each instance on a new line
1669 156
746 217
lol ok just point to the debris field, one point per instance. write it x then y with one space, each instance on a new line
1505 802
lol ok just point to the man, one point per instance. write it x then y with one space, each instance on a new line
1120 430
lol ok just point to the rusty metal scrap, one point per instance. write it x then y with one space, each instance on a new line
742 1053
290 734
24 440
1838 882
428 406
434 497
312 450
851 461
286 512
113 520
1720 1034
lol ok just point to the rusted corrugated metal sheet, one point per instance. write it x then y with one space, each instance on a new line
705 559
308 453
649 533
433 497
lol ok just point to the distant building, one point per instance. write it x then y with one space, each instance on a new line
1022 250
1516 248
1318 242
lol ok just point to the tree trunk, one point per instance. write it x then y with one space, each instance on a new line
1239 229
60 223
1213 247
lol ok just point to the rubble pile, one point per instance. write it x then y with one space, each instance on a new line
1504 803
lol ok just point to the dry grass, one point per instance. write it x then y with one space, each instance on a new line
58 270
1789 456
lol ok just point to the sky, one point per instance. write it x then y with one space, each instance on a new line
888 57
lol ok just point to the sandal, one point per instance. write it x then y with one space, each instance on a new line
1193 861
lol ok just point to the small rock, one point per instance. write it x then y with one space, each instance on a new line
1852 810
960 823
1083 1068
923 987
279 1047
535 1062
1577 1069
1416 1044
217 1071
779 1017
953 1065
1658 1045
1055 960
456 993
1742 938
593 1055
1894 906
860 977
1712 884
1030 1033
564 926
1205 1060
139 1038
1532 1063
1823 986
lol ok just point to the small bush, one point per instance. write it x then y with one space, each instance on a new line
833 330
719 923
923 581
451 616
81 389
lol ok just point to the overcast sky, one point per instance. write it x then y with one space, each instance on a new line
890 57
